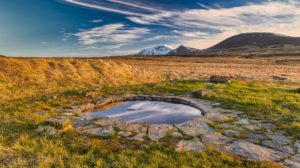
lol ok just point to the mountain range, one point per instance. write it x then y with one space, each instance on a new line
241 44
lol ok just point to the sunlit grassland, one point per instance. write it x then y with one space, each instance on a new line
20 146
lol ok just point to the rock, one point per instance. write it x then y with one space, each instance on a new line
219 79
203 93
46 130
100 131
268 126
61 122
252 127
253 152
243 122
232 133
278 147
256 136
137 127
158 131
293 162
215 138
297 146
125 134
280 139
225 125
195 128
298 90
215 116
105 121
138 137
190 145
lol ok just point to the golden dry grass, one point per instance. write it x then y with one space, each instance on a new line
203 67
21 78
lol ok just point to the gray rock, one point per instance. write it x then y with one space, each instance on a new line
253 152
190 145
297 146
256 136
47 130
217 116
105 121
280 139
268 126
138 137
293 162
232 133
252 127
134 127
225 125
195 128
125 134
278 147
243 122
215 138
100 131
158 131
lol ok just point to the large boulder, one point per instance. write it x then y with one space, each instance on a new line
219 79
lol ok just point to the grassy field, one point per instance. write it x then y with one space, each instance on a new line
20 115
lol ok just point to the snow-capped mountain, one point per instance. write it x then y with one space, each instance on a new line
183 50
158 50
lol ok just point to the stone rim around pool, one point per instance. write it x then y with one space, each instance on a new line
220 128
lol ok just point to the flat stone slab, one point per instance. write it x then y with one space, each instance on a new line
190 145
285 149
253 152
268 126
138 137
158 131
134 127
280 139
256 136
100 131
105 121
232 133
242 122
215 138
293 162
195 128
253 127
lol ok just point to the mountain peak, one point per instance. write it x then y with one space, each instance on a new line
157 50
183 50
256 40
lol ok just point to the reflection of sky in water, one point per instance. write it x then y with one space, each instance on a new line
150 111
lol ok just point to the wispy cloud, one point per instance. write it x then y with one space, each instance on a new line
110 34
96 21
201 27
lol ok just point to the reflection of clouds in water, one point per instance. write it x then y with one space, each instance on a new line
150 111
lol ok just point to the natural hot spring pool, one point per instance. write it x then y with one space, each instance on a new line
153 112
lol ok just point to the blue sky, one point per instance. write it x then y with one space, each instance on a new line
118 27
